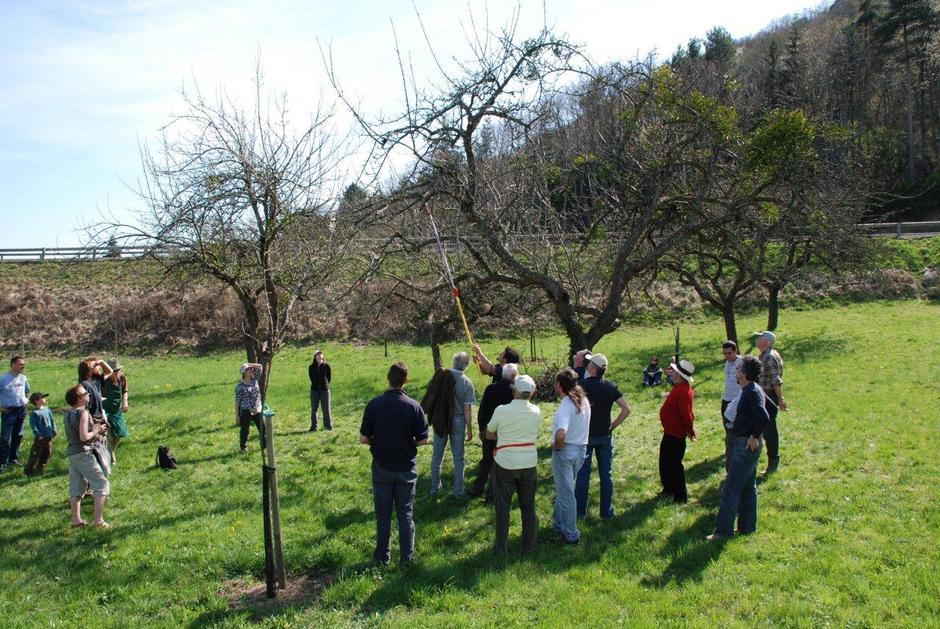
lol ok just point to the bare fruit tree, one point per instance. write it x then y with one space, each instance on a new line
246 198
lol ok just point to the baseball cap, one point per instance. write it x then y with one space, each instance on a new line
524 384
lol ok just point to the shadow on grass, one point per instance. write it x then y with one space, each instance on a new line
175 393
689 554
704 469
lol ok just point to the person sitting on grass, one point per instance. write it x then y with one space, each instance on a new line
739 492
248 402
653 374
42 423
82 432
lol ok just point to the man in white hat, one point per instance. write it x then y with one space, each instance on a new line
677 418
771 381
515 428
602 395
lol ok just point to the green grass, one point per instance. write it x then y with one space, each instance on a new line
847 528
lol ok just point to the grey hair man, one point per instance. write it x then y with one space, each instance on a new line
460 429
771 381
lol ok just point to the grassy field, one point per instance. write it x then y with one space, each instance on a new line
847 528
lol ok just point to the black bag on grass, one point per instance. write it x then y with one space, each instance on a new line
165 458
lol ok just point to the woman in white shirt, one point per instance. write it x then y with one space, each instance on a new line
569 443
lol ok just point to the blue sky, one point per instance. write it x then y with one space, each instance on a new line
83 83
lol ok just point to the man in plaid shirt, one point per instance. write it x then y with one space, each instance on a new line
771 381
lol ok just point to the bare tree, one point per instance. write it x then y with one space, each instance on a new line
500 144
246 198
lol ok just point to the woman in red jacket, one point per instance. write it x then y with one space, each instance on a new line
677 418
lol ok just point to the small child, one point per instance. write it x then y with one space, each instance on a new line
42 423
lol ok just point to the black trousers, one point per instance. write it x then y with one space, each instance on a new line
671 470
246 419
484 469
771 436
522 483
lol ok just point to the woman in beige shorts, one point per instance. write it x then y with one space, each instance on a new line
82 433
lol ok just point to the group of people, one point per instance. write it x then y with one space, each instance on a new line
94 426
395 425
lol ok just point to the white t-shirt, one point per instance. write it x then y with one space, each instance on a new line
576 423
732 388
514 424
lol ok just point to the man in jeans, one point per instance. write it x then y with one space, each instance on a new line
602 394
495 395
393 426
739 493
14 392
515 428
461 424
771 381
320 374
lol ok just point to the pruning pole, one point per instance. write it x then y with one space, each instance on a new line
453 286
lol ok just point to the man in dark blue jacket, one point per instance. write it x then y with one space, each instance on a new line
393 426
739 494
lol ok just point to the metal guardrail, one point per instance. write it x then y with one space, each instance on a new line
41 254
920 229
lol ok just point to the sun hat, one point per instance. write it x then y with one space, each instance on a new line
770 336
684 368
114 364
245 367
599 360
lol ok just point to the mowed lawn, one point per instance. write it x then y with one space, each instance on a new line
847 535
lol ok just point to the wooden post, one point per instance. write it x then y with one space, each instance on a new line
386 348
532 344
275 502
897 230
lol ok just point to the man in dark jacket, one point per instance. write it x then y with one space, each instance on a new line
739 493
496 394
393 426
320 376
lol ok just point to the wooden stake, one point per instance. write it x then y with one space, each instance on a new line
275 502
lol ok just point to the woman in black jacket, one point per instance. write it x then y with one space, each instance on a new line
320 376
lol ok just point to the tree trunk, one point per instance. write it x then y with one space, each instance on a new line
434 333
731 329
910 114
773 306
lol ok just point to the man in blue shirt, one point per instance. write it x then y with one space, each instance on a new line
602 395
739 493
393 426
14 391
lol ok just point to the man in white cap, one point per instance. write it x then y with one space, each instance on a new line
602 395
771 381
677 418
515 428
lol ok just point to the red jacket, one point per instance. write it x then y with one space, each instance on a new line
676 414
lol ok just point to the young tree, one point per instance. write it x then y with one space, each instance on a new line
245 198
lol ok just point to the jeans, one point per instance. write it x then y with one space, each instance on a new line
38 456
565 466
771 436
11 434
245 420
483 471
671 471
522 483
394 488
456 438
739 493
724 425
603 446
320 399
